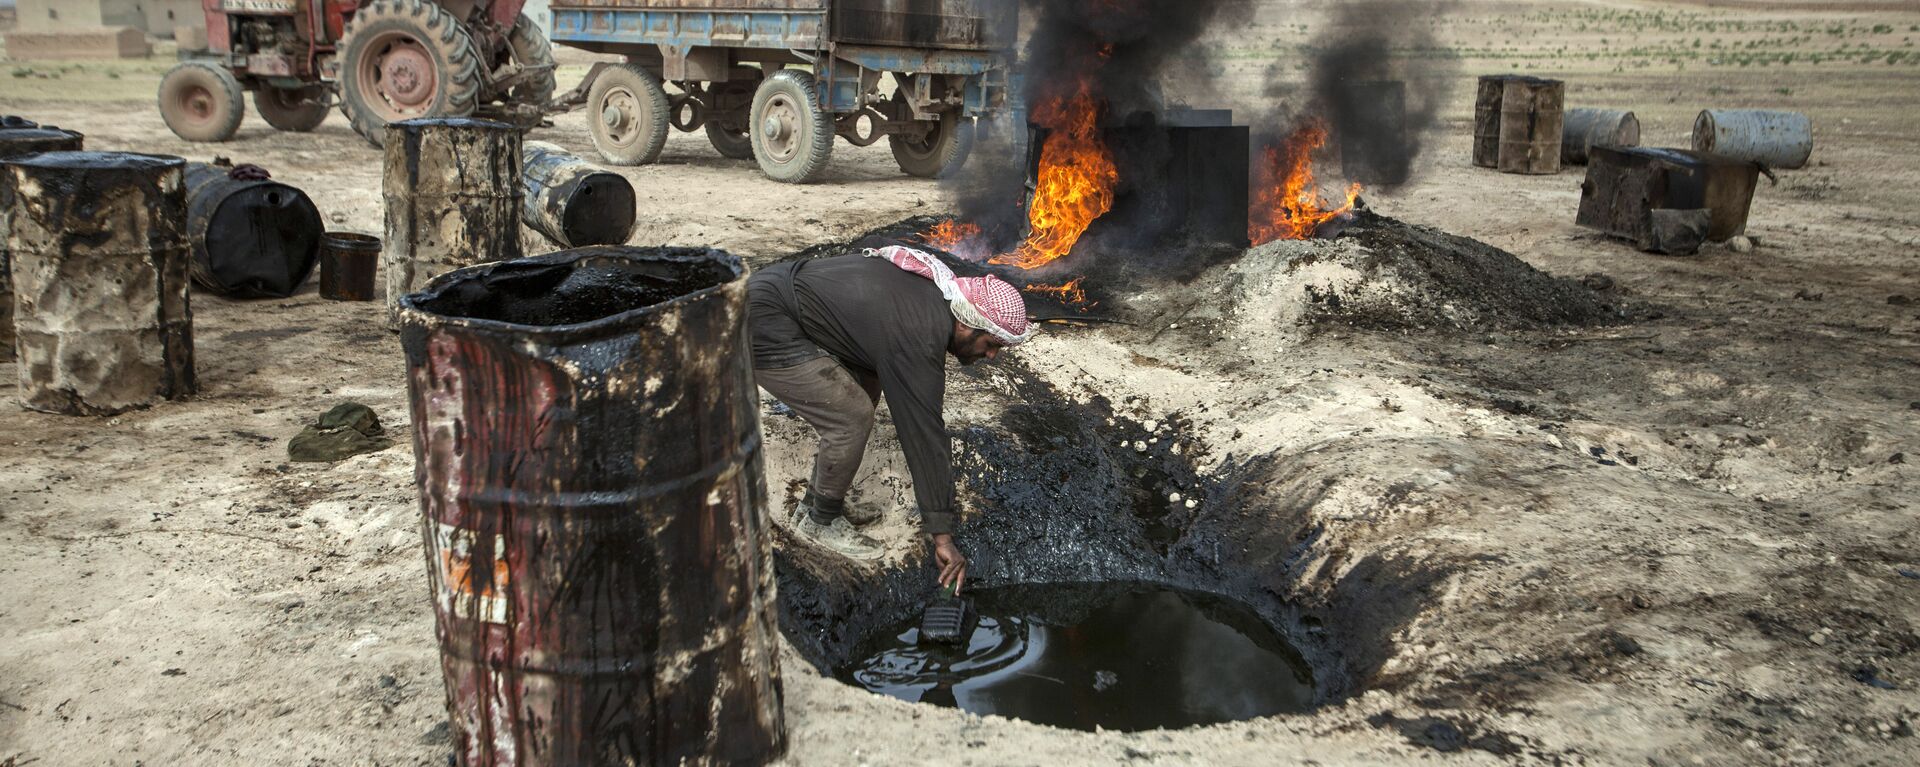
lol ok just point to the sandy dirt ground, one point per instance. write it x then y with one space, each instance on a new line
1685 539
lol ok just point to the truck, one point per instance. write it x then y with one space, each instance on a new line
777 80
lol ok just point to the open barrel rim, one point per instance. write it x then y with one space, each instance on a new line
413 306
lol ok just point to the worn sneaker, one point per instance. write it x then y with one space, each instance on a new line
840 536
862 514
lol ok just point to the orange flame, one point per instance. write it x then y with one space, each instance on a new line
1076 179
949 234
1068 292
1286 199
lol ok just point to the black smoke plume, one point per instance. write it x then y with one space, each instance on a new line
1377 81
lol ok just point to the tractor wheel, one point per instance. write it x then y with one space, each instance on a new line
531 49
627 113
938 154
792 135
403 59
292 109
727 118
201 102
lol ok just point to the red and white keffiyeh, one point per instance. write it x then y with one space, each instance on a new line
983 303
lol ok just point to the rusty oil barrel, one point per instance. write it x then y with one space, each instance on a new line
587 446
452 188
1586 128
1486 120
20 136
100 263
572 202
1531 120
348 263
251 237
1777 139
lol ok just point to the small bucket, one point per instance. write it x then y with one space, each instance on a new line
347 265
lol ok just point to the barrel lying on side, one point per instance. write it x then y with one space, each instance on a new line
572 202
20 137
1587 128
587 442
1779 139
100 272
251 237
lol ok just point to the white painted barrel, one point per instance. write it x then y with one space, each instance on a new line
1586 128
1779 139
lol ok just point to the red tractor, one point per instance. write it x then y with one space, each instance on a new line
380 60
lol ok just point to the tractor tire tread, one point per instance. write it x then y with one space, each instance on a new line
436 26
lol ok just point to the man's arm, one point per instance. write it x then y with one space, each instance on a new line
915 386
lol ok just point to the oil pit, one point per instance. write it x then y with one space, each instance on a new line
1118 656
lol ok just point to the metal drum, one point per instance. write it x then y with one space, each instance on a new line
100 262
1486 120
453 198
1531 120
252 238
587 442
572 202
1779 139
18 137
1588 128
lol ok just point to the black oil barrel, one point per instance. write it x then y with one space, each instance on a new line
572 202
100 265
252 238
588 454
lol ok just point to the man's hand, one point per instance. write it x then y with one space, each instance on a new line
953 564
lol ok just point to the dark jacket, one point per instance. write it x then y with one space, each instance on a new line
875 318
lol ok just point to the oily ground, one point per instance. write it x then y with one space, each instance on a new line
1686 538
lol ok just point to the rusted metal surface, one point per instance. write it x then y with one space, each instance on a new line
1486 120
1626 185
1530 124
572 202
976 25
348 264
587 442
1585 129
20 136
251 238
1517 124
100 262
1779 139
453 199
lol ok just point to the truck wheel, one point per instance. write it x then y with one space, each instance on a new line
201 102
727 118
531 49
292 109
792 135
940 153
731 144
627 112
402 59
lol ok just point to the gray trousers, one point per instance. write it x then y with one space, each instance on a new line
839 404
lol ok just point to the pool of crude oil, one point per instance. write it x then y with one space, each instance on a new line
1121 656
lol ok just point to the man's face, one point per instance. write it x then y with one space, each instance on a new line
970 345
